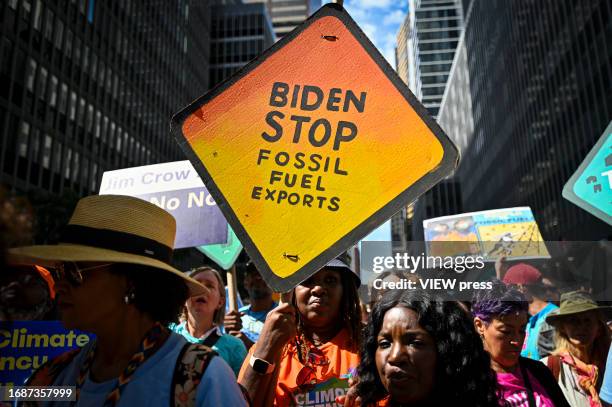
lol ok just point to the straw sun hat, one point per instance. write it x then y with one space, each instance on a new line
112 229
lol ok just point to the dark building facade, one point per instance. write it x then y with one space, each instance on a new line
288 14
541 88
239 33
88 86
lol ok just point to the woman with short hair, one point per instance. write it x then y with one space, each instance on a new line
500 316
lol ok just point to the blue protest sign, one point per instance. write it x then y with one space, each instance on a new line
177 188
25 345
591 185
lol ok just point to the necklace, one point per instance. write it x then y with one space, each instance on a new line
152 341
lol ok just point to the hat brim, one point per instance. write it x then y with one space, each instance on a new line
50 255
337 264
554 319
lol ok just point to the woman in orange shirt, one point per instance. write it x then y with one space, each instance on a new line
308 348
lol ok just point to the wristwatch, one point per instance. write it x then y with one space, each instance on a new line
261 366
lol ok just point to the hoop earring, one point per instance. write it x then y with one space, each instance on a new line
129 297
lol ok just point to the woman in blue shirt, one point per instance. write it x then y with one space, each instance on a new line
203 317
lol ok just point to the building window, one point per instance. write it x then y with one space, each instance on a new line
90 12
89 119
67 163
22 140
35 144
68 44
53 91
38 12
97 125
57 157
63 98
46 160
94 176
42 83
59 32
73 106
85 172
77 50
30 73
75 167
49 25
81 112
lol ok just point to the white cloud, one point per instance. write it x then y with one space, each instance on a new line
372 3
369 30
380 21
394 18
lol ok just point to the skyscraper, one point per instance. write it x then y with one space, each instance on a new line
240 32
426 45
434 28
288 14
540 75
88 86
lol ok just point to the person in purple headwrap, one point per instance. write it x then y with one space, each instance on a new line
500 316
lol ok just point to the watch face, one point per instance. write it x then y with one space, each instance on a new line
260 366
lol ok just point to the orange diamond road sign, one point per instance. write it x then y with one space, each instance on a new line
311 146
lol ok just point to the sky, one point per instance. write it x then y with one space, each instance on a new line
380 20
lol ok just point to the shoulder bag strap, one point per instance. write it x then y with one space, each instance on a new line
190 366
530 398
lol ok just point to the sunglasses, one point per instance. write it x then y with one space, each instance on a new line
72 272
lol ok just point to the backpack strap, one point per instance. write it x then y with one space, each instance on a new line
46 373
212 339
554 365
190 367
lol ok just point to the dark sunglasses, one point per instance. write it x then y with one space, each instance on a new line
72 273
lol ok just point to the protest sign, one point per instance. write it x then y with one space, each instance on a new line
591 185
311 146
512 233
177 188
224 254
26 345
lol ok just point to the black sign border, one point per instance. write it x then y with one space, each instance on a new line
449 161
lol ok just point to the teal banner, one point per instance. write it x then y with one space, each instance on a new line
224 254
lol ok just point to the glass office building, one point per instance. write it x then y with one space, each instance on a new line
540 84
88 86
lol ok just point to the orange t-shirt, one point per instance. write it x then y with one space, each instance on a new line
332 379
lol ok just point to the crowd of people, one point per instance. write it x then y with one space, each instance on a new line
163 336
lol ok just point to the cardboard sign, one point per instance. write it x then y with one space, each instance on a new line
591 185
512 233
177 188
224 254
311 146
26 345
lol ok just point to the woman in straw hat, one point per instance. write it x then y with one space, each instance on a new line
114 279
582 341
